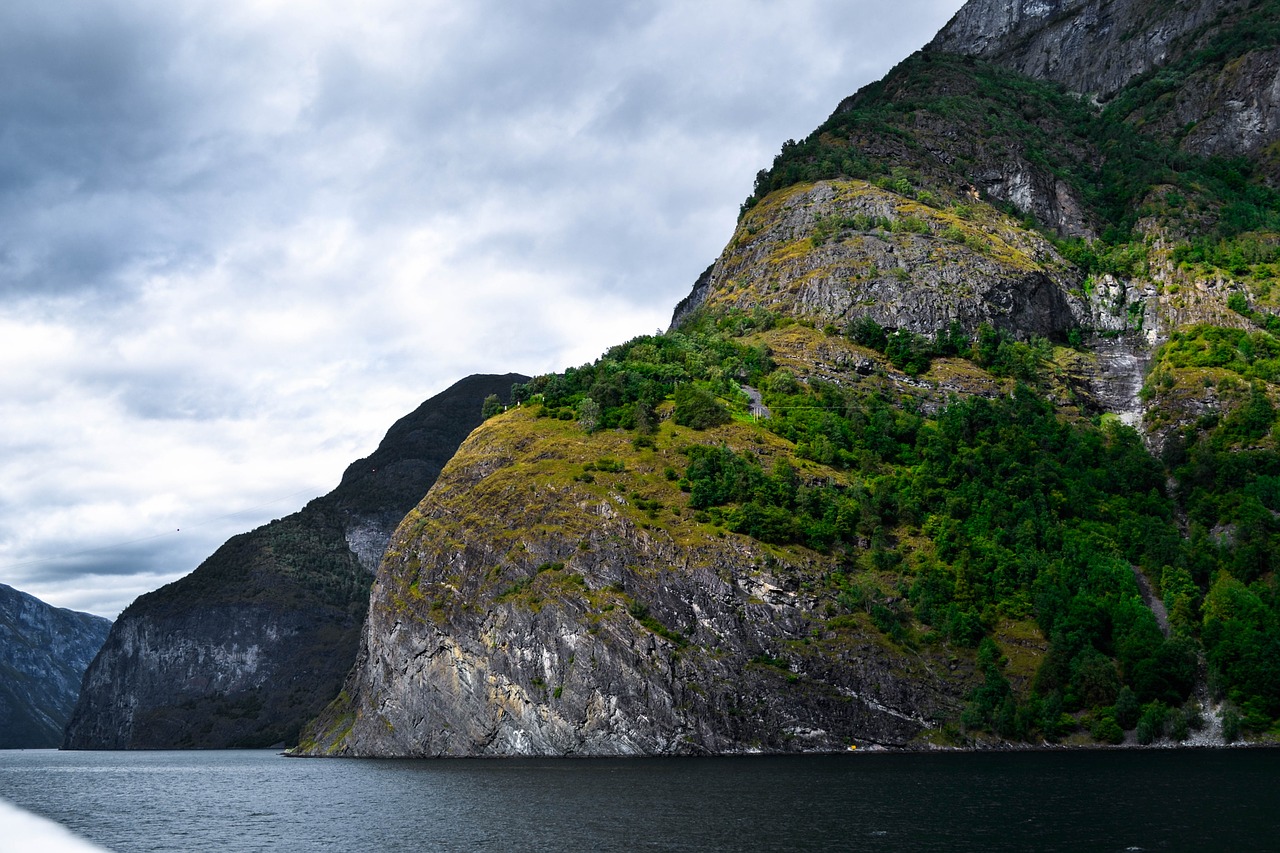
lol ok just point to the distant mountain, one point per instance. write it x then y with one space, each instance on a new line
1012 315
257 639
44 651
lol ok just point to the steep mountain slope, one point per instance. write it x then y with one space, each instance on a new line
1091 46
530 606
898 473
1202 73
44 652
250 645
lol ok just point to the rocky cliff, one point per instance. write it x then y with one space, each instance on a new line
1095 47
886 479
1205 73
258 638
44 652
527 609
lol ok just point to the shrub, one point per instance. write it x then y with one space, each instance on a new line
696 407
1127 708
1106 730
1151 723
1230 726
869 333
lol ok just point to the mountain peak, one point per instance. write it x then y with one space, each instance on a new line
1090 46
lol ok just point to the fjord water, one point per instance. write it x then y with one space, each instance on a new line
253 800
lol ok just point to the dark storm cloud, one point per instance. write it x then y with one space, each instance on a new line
151 556
85 114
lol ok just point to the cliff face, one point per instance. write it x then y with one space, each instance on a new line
252 644
1091 46
524 611
1204 73
837 250
44 652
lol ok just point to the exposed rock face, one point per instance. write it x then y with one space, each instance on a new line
562 620
1090 46
44 652
254 642
837 250
973 149
1098 47
1236 113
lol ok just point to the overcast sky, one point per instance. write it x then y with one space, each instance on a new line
238 239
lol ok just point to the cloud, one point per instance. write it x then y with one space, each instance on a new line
239 239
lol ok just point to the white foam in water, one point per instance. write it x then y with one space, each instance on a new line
24 832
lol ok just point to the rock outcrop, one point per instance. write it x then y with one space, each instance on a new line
44 651
1095 47
1202 77
258 638
524 611
837 250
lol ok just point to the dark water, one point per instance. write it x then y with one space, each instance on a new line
240 801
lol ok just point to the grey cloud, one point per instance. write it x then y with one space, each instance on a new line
160 165
150 557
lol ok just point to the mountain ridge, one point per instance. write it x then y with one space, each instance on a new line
44 652
1094 47
245 649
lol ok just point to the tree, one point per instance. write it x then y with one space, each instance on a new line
589 414
698 408
1127 708
492 406
869 333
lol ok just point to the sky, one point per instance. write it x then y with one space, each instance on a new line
239 239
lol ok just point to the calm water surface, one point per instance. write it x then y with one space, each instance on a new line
249 801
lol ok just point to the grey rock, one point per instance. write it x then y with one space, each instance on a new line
903 279
1090 46
44 651
455 663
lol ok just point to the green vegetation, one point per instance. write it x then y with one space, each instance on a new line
700 366
945 530
697 407
884 134
1024 515
1227 469
1251 355
994 349
491 406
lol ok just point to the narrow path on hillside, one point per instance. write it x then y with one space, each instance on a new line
1149 598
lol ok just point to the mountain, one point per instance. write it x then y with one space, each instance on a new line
257 639
968 438
44 652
